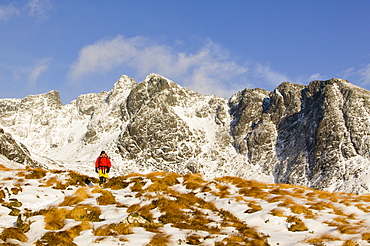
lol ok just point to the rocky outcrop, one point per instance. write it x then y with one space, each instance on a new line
315 135
14 150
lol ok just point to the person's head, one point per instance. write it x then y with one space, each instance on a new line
103 153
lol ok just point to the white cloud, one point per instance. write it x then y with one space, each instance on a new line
38 8
33 8
35 71
210 70
359 76
8 11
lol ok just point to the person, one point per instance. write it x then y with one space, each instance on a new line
102 167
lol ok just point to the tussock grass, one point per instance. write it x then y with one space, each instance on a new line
277 212
55 219
326 237
162 181
113 230
3 168
77 179
56 239
343 225
13 233
363 207
37 173
366 236
297 224
117 183
193 181
160 239
106 197
254 207
321 205
138 184
254 191
223 191
80 195
143 211
16 190
56 183
193 239
350 243
85 213
278 191
76 230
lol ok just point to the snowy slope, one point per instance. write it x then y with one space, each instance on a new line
56 207
316 136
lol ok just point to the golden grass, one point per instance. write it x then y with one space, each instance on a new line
193 181
37 173
363 207
223 190
296 224
85 213
113 230
55 219
77 179
322 239
277 212
16 190
343 225
80 195
193 239
3 168
106 197
350 243
160 239
56 239
254 191
138 184
13 233
366 236
162 181
55 183
254 207
278 191
321 205
76 230
117 183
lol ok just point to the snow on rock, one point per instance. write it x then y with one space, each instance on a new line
170 209
315 135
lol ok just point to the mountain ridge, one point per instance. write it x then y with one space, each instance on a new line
315 135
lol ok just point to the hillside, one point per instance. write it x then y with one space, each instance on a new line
58 208
316 135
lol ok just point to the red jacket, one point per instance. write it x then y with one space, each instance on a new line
102 162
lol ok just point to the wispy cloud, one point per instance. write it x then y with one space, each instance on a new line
209 70
8 11
38 8
360 76
33 8
35 71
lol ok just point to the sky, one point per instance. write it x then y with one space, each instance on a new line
211 46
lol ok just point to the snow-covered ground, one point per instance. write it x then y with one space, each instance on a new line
58 208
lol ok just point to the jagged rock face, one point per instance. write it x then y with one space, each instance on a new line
315 135
169 129
308 135
13 150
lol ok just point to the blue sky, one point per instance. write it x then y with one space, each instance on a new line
211 46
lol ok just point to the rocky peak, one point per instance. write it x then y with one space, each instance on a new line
316 135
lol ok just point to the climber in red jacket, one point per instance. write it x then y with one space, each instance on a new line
102 167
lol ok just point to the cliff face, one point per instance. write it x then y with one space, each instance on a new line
315 135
